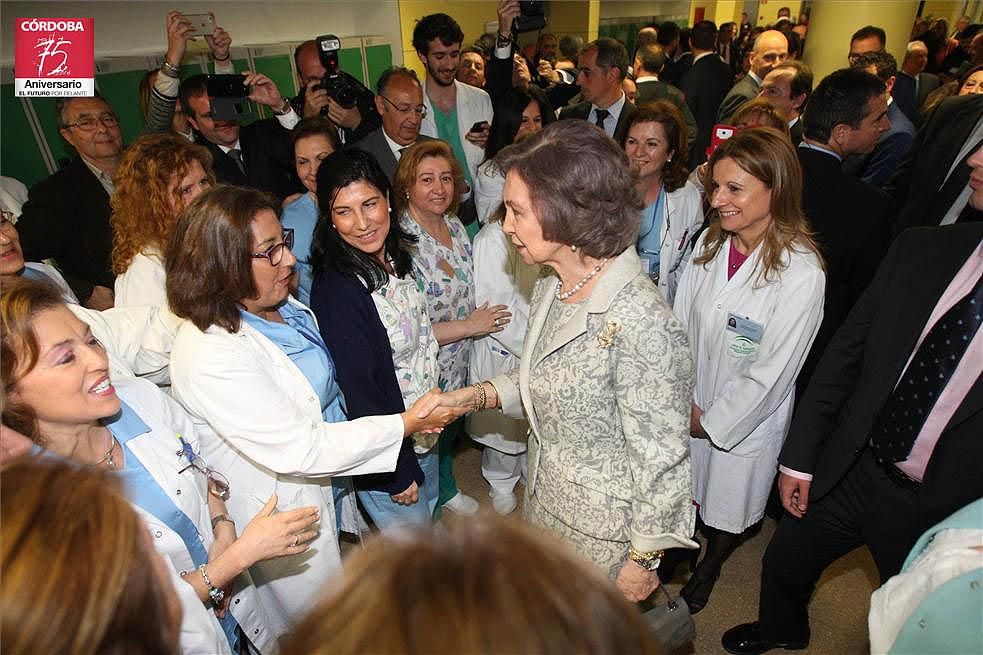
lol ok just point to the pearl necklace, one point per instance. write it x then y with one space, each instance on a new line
580 285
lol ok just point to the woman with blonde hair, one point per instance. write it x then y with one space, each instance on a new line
158 176
752 300
426 189
79 573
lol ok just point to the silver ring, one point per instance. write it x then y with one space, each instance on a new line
296 539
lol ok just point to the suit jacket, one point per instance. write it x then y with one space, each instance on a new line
582 111
796 131
652 90
66 217
619 467
745 89
910 100
376 145
705 85
267 157
863 362
853 229
914 189
878 167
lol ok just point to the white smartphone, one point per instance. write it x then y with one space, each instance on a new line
203 24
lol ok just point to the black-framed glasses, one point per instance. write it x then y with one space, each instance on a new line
275 252
218 484
420 110
89 124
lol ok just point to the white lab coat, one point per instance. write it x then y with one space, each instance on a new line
489 184
747 397
683 217
143 282
201 632
500 278
137 339
473 105
260 423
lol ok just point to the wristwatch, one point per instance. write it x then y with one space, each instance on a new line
282 109
648 560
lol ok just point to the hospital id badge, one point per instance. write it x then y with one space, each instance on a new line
745 335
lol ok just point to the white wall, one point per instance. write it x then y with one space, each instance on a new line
137 28
632 8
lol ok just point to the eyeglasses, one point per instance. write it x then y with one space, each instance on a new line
275 252
420 110
89 124
218 484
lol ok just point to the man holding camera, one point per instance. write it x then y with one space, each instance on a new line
258 155
353 122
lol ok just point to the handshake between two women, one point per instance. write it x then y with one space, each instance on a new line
436 408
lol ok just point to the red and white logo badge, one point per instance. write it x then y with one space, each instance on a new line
54 57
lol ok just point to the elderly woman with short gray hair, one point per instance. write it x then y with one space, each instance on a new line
606 373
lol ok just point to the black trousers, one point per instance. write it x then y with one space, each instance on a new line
866 507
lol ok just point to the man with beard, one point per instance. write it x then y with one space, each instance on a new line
458 113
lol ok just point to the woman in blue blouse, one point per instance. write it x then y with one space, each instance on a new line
373 318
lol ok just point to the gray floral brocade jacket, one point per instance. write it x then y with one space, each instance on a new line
615 464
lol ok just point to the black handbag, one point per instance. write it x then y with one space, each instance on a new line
670 622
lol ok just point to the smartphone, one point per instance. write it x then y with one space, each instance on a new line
480 126
202 24
719 134
226 86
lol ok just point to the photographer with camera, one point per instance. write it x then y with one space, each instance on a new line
258 155
332 93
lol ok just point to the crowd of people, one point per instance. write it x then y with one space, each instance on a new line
668 293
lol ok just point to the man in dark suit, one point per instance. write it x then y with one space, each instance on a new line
786 87
931 185
258 155
886 441
649 60
913 84
704 85
878 167
729 51
603 65
399 100
66 216
849 216
769 50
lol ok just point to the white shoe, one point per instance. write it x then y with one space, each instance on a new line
503 503
462 504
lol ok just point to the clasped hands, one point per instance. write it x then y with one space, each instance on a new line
436 408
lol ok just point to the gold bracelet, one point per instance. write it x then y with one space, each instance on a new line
480 398
649 560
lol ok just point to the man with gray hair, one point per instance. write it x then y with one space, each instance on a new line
913 84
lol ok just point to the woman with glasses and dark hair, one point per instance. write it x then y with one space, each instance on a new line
519 112
314 139
374 320
59 393
251 368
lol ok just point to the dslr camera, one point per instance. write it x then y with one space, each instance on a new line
341 86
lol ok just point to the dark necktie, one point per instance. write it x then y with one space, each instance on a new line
933 364
599 116
236 155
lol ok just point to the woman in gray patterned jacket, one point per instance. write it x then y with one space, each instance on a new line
606 372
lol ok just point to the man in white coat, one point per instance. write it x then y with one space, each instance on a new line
453 108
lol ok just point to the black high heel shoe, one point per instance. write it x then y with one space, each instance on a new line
696 591
673 558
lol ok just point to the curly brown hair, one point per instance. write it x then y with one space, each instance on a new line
143 208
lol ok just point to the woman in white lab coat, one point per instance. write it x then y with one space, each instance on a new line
672 212
251 368
158 176
64 399
751 299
